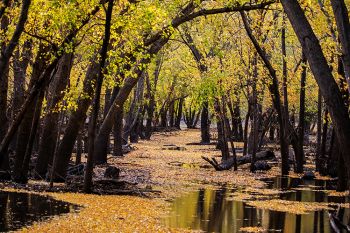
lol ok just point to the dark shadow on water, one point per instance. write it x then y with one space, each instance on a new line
22 209
214 211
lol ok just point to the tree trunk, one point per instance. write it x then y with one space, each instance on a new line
24 130
276 99
171 113
48 142
40 84
20 64
319 131
6 54
324 144
3 83
117 132
96 103
246 124
205 127
222 140
343 25
149 118
107 105
135 109
75 122
22 176
300 155
10 47
79 149
151 96
322 74
179 113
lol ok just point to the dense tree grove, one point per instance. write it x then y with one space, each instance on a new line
89 77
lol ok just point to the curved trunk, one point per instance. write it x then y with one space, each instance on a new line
22 176
75 123
20 64
343 25
6 54
26 124
48 141
323 75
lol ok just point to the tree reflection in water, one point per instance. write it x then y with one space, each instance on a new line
21 209
213 211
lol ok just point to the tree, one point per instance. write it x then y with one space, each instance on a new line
322 73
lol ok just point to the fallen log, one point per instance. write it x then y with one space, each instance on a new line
336 224
228 164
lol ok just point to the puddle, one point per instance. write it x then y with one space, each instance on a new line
214 211
22 209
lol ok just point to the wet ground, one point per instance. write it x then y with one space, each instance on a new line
22 209
214 211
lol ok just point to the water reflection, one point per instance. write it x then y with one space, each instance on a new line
213 211
20 209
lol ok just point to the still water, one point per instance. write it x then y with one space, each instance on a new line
214 211
22 209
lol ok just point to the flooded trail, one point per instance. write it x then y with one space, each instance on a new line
22 209
187 194
214 210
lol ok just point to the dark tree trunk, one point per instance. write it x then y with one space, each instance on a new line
319 131
205 127
3 83
274 91
245 135
222 134
324 143
343 25
179 113
22 176
96 103
237 129
322 74
134 131
79 149
75 122
102 141
151 96
117 132
164 117
20 64
55 95
300 155
255 135
272 131
134 111
10 47
107 105
171 113
6 54
24 130
238 122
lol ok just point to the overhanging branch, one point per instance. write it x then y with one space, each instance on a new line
203 12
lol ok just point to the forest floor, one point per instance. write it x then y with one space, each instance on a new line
165 172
